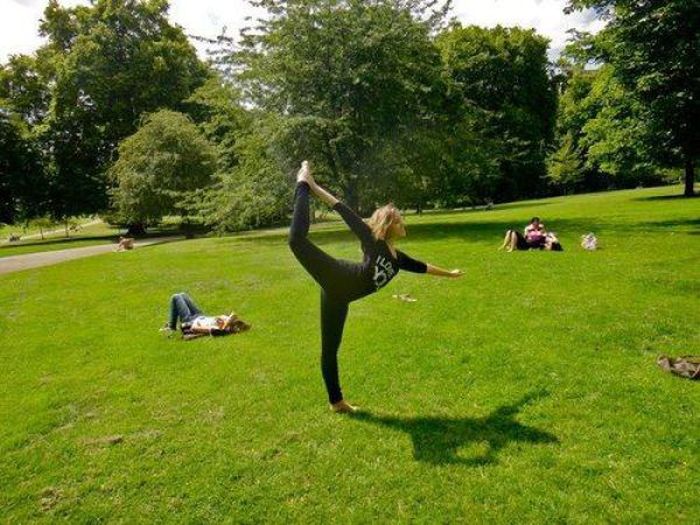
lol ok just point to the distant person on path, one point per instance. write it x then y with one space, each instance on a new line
344 281
194 323
125 243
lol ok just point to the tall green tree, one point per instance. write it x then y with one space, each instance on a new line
110 62
606 138
565 166
503 73
653 46
347 77
25 99
159 168
217 108
255 193
249 188
22 184
25 87
619 138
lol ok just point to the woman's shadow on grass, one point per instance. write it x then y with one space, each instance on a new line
437 440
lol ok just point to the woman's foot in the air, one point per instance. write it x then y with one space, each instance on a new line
304 174
343 407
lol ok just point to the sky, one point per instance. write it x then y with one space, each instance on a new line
19 19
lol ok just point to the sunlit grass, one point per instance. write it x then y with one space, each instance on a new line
527 391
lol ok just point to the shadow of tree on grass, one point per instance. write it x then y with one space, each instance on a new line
437 440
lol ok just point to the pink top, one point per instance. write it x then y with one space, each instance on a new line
534 233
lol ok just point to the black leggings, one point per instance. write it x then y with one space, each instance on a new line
327 271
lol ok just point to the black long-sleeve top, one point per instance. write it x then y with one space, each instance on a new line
378 266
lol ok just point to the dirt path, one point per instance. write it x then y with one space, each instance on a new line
16 263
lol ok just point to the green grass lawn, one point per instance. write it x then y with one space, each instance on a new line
527 391
88 236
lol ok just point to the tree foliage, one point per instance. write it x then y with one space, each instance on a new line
159 168
500 78
347 78
653 46
103 66
22 184
606 137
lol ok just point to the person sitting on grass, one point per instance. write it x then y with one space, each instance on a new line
534 238
193 322
125 243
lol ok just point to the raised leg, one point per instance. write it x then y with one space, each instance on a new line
506 240
321 266
179 310
194 309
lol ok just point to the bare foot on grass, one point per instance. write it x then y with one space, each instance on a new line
343 407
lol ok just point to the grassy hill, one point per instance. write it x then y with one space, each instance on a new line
526 391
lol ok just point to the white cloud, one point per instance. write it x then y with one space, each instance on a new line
19 25
546 16
208 17
19 19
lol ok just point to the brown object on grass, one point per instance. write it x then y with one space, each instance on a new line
685 366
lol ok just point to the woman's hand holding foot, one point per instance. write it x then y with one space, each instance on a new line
304 175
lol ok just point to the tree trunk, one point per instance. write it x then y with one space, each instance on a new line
41 231
187 228
136 230
350 197
65 226
689 176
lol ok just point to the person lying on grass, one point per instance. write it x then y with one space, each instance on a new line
345 281
193 322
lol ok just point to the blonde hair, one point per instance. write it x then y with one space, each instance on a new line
381 220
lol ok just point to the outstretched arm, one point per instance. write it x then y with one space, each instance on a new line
441 272
324 195
412 265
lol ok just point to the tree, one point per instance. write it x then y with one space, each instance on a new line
500 76
605 137
347 77
652 45
217 109
22 182
565 166
24 87
106 64
249 189
619 138
159 168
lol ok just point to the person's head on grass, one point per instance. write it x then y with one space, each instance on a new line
231 324
535 221
387 224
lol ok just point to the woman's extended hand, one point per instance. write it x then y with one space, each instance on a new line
436 270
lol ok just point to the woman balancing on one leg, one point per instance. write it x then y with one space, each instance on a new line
343 281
